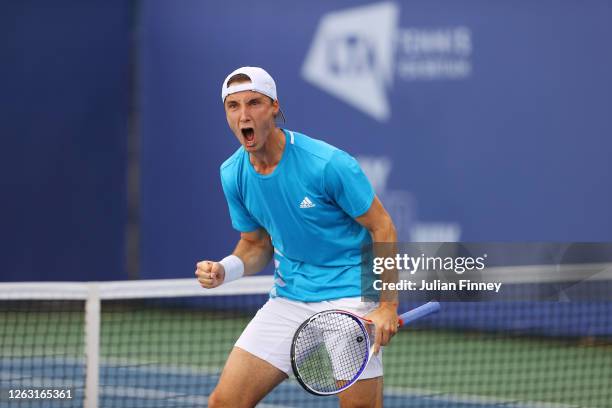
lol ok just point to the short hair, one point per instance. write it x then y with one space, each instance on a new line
238 78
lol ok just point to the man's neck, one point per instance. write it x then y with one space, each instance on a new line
266 160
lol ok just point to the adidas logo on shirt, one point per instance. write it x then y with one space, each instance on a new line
306 203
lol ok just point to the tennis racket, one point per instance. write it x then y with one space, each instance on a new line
331 349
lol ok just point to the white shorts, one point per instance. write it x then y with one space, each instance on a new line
270 333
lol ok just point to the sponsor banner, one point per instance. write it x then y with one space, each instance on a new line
481 122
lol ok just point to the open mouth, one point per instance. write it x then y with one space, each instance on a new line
248 134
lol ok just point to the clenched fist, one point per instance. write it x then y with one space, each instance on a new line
210 274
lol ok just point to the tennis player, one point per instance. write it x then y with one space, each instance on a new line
309 206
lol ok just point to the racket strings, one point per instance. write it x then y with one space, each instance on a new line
331 351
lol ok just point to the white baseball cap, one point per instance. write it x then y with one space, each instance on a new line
261 82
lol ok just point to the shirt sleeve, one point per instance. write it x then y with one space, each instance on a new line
242 220
347 185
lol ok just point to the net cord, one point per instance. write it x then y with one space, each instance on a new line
164 288
139 289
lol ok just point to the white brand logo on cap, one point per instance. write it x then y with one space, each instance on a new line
353 60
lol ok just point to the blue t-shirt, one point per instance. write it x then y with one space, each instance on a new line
307 205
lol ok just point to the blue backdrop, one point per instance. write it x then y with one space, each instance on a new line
475 120
65 94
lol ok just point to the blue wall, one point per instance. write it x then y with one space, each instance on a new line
511 143
475 121
65 94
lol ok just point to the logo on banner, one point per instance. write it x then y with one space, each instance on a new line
351 56
357 53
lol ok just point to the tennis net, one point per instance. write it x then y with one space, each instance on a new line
163 343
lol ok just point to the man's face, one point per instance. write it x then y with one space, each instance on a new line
250 115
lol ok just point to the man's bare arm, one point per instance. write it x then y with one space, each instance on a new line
378 222
254 250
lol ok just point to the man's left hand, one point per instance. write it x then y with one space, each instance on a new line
385 321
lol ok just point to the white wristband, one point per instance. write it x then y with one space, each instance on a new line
234 268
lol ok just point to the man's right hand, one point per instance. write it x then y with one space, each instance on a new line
210 274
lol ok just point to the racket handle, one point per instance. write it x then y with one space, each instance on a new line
421 311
